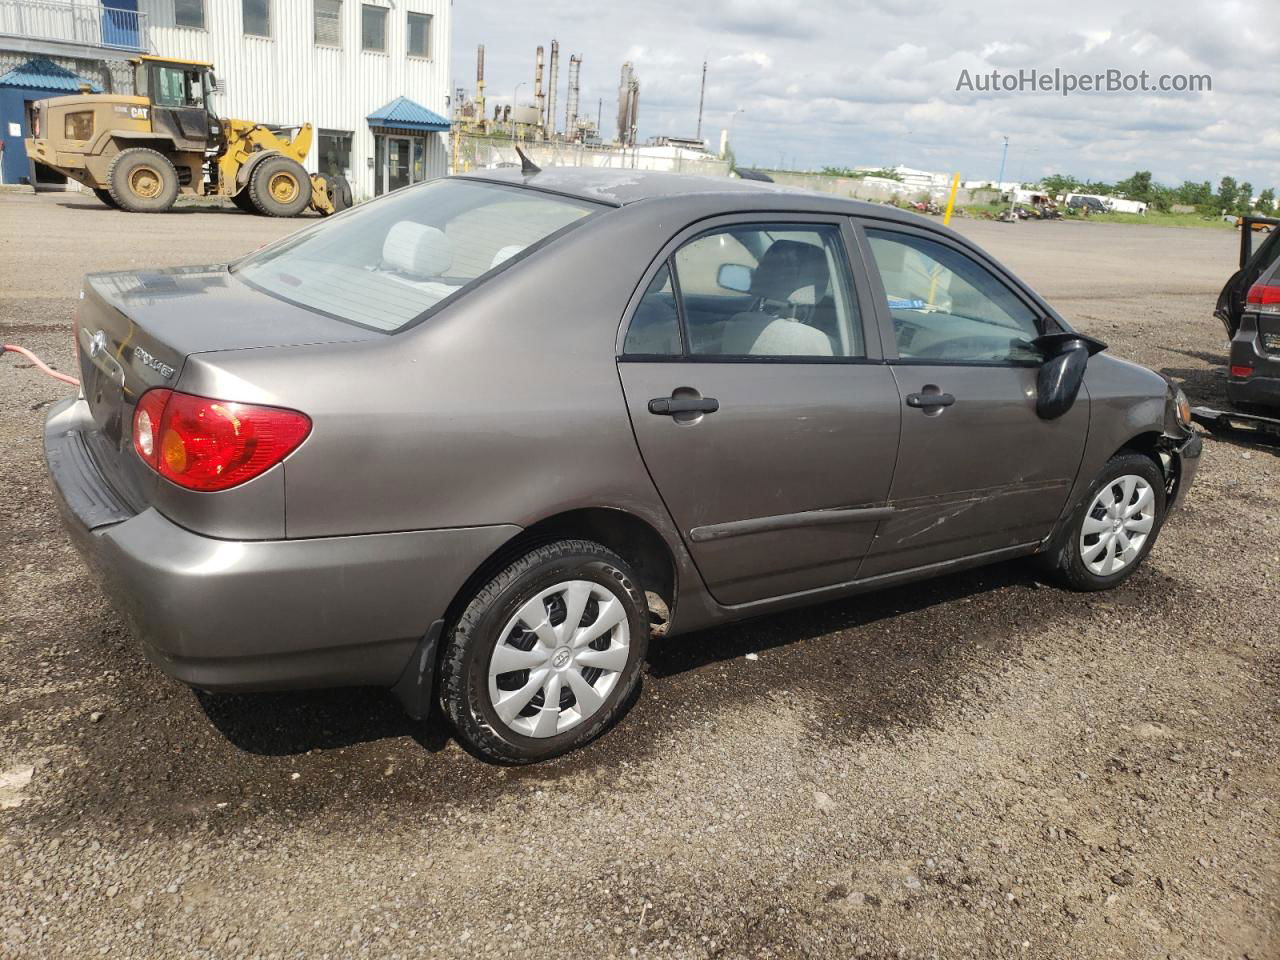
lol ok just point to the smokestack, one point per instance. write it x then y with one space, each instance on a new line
624 103
480 82
550 121
537 84
571 101
633 112
702 94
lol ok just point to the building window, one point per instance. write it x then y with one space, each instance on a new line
189 13
257 17
328 23
419 34
373 28
335 153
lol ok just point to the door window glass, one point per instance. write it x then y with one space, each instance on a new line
769 290
947 307
176 87
655 326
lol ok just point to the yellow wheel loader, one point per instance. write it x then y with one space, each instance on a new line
139 153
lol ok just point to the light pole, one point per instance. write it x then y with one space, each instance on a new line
1004 154
514 100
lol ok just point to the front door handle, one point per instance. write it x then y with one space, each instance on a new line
671 406
927 400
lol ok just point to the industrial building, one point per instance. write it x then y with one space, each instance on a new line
372 77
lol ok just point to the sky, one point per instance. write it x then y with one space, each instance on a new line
810 84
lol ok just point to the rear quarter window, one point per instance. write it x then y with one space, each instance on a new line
387 263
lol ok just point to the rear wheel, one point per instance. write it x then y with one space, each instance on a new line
1114 527
141 180
279 187
338 190
545 655
105 197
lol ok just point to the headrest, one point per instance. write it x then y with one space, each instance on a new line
505 254
791 271
417 250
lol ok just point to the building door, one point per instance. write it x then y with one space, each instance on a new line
399 160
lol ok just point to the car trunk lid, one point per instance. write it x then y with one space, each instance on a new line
135 331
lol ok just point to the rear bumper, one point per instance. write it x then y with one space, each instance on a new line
1261 390
261 614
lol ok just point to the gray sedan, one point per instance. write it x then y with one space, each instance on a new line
477 440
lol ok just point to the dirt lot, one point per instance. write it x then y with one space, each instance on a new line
975 767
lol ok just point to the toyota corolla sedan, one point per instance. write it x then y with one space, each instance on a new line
476 440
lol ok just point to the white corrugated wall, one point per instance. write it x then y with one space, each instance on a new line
288 80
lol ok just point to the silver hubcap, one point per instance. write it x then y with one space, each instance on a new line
1117 525
558 658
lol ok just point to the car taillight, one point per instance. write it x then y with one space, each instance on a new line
1264 298
1241 372
206 445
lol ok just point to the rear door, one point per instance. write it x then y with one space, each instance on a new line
978 470
752 372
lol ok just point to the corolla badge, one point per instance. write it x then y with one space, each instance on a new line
147 360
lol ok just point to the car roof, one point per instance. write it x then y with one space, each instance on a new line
621 187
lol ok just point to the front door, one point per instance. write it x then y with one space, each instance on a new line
978 470
399 162
761 406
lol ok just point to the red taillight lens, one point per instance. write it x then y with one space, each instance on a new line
1241 373
1265 297
205 444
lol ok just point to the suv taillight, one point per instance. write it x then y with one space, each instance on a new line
1264 298
206 445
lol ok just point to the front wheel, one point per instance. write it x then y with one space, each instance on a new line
279 187
1114 527
546 654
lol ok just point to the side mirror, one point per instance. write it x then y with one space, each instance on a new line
213 82
735 276
1058 382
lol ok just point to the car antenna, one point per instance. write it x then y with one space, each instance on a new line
527 166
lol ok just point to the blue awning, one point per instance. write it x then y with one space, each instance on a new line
42 74
403 114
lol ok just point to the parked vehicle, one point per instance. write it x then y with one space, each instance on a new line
1249 308
1085 204
468 440
138 153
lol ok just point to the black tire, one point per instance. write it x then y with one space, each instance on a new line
1064 560
105 197
470 644
266 187
338 191
141 180
244 201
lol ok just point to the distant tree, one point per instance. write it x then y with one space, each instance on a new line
1198 195
1244 200
1267 202
1057 183
1228 194
1137 187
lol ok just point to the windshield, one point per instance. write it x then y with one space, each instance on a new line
384 264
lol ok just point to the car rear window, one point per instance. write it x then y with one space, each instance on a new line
386 264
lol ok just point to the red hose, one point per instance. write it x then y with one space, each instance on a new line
40 364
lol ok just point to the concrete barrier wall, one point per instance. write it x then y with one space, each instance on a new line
479 153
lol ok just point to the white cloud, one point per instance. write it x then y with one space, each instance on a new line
845 82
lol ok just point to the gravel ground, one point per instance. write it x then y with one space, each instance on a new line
974 767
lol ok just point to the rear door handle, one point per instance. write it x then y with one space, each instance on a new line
930 399
670 406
